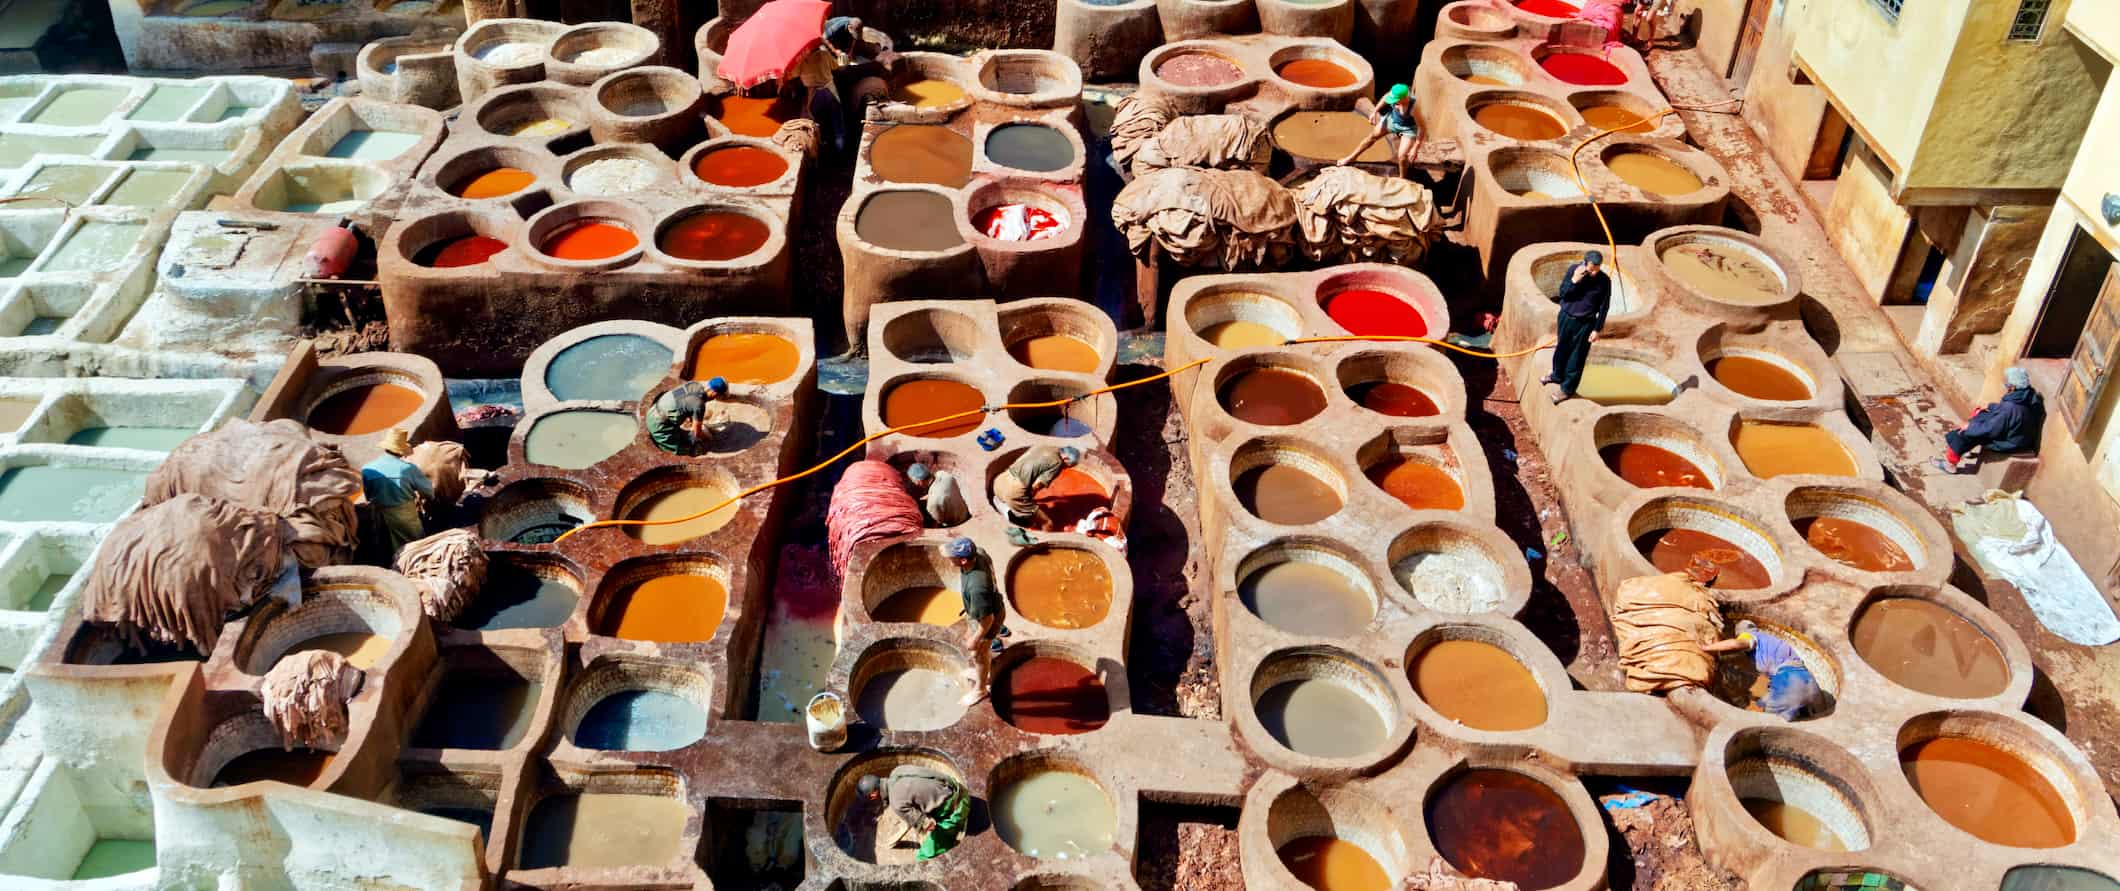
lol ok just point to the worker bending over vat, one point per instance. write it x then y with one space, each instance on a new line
394 487
1669 632
982 612
932 804
684 418
1016 489
941 498
1397 125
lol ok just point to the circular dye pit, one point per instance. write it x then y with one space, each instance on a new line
640 721
1321 717
1648 467
516 597
1654 174
578 439
1769 449
676 608
713 236
1854 544
1061 587
1988 792
746 357
1054 814
739 166
1196 69
610 367
1503 825
1519 122
603 830
927 92
358 411
914 403
300 767
1793 824
1582 69
1032 147
753 117
589 239
498 182
1055 352
922 153
1317 74
1016 221
1670 550
1450 581
1615 118
1416 483
1286 494
1046 694
1238 334
1328 136
678 503
1069 499
924 604
1925 646
1395 399
1757 378
1272 397
1333 864
464 250
1616 384
908 221
544 524
1479 685
1307 597
1723 272
914 699
1372 313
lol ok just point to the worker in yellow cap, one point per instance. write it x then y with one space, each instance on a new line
394 486
1397 125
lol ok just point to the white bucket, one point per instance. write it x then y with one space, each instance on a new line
826 716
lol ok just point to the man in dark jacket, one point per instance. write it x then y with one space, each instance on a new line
2010 426
1586 295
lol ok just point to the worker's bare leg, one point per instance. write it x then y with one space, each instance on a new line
979 646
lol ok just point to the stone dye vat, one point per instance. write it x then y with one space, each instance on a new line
980 192
619 186
276 35
351 401
349 153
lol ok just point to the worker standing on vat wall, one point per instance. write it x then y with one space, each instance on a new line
982 609
1585 298
1016 489
679 420
394 486
930 802
1397 125
941 499
1669 631
2007 426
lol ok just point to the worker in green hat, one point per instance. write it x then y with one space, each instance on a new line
1396 125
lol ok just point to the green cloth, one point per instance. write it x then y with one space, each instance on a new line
949 827
401 524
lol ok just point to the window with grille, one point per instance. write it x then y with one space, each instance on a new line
1890 8
2030 20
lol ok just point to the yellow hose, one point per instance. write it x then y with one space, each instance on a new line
1575 166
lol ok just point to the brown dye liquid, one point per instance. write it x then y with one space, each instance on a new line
1291 496
300 767
1330 864
1055 352
1607 117
1503 825
925 604
364 410
361 649
746 358
1272 396
1649 467
1758 379
603 830
1520 122
1478 685
1049 695
1419 484
922 153
918 401
1725 273
1988 792
1925 646
678 608
1070 498
907 221
1652 174
714 236
1394 399
753 117
1854 544
1061 588
740 166
672 507
1486 81
1793 824
1770 450
1669 550
1328 136
1315 73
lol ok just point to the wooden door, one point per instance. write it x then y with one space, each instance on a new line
2090 366
1749 36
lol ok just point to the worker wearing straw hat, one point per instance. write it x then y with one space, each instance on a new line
394 486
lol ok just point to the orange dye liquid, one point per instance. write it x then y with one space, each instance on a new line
668 609
739 166
590 240
495 183
745 358
713 236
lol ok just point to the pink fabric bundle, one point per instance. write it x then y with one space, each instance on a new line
869 502
1606 14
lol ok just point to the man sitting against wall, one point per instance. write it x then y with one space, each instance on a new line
2008 426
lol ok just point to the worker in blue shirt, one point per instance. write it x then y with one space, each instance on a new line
394 486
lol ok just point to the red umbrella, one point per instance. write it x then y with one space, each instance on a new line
773 40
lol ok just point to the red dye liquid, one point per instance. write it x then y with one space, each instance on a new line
714 235
1583 69
1375 313
1550 8
1048 695
590 240
1394 399
739 166
470 250
1648 466
1669 550
1071 497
